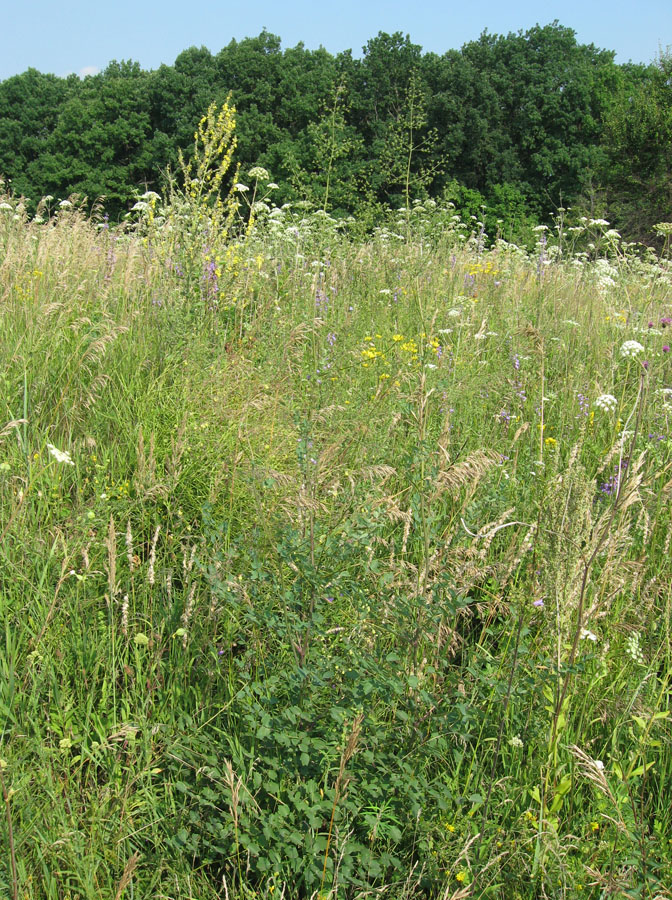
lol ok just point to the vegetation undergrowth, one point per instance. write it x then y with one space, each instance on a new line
331 567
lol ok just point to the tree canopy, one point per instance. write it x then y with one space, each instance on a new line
525 123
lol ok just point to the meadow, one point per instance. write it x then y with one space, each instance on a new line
332 564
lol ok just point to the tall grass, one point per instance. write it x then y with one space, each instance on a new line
333 567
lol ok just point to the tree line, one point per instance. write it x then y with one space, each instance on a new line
520 125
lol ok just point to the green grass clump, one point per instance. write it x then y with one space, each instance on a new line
332 566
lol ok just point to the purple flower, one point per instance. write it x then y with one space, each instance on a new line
666 348
646 364
665 322
538 603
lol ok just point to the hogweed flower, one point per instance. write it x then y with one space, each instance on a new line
607 402
630 349
259 172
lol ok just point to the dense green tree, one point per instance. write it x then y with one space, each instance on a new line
101 145
522 123
467 115
550 94
637 168
30 105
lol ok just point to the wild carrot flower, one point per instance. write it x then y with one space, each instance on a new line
61 456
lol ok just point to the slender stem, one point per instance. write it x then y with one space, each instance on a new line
10 838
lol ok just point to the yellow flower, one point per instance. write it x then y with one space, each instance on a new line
397 337
461 876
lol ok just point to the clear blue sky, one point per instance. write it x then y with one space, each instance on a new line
63 36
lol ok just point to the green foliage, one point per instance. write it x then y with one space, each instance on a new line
343 570
271 761
638 157
532 121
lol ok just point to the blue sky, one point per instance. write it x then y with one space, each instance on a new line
82 36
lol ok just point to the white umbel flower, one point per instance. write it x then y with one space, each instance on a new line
61 456
606 401
259 172
630 349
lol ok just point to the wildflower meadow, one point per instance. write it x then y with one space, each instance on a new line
334 562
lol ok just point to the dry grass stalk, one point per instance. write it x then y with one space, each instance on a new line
152 556
188 612
467 473
129 546
127 874
342 780
124 616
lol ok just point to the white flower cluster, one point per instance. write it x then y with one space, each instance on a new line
630 349
61 456
605 274
587 635
633 649
259 172
607 402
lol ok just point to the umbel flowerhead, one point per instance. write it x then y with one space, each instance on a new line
607 402
631 349
61 456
